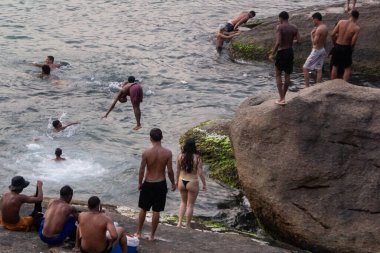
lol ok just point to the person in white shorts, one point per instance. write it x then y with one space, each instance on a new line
317 56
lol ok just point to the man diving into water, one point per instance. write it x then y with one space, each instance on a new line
135 92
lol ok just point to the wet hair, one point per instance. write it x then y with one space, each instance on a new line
189 149
56 123
131 79
317 15
284 15
156 134
93 202
58 152
46 69
51 58
66 191
253 13
355 14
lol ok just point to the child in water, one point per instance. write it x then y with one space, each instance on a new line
58 127
58 153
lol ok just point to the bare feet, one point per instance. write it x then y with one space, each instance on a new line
138 235
137 127
280 102
150 237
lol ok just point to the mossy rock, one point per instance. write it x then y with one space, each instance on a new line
249 51
214 145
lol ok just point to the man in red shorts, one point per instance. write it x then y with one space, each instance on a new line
135 92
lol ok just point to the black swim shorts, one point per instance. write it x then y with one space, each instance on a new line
284 60
153 195
341 56
229 27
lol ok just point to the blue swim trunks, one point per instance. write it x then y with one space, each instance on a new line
68 229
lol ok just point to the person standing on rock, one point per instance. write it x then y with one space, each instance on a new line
347 8
285 35
12 201
59 219
96 232
153 191
243 17
317 56
189 167
344 36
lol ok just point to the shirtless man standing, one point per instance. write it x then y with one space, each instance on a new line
92 236
318 53
49 61
243 17
344 36
12 201
285 35
135 92
59 219
153 191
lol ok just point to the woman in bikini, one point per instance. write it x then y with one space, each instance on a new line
189 167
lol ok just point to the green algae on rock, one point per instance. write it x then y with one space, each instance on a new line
215 147
249 51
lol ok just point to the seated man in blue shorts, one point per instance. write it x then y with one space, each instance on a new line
59 220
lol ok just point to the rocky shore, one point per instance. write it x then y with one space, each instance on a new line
257 43
168 239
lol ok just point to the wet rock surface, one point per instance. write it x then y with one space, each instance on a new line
311 169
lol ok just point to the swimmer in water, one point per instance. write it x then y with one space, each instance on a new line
58 127
135 92
58 153
50 62
222 35
45 74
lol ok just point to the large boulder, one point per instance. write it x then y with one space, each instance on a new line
311 169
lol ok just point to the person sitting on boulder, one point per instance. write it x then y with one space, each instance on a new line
59 220
12 201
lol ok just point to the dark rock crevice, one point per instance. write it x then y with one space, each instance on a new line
303 209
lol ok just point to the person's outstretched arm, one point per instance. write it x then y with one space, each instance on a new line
113 104
70 124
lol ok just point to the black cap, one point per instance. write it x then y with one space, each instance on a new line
18 183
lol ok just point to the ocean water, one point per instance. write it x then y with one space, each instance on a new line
166 45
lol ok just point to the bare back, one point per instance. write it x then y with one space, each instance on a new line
347 32
286 34
194 172
157 159
55 217
320 36
92 229
10 207
243 16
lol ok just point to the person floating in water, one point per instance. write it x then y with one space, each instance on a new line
285 35
46 74
50 62
58 153
135 92
243 17
58 127
222 36
344 37
12 201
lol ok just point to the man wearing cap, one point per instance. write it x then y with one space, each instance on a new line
12 201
